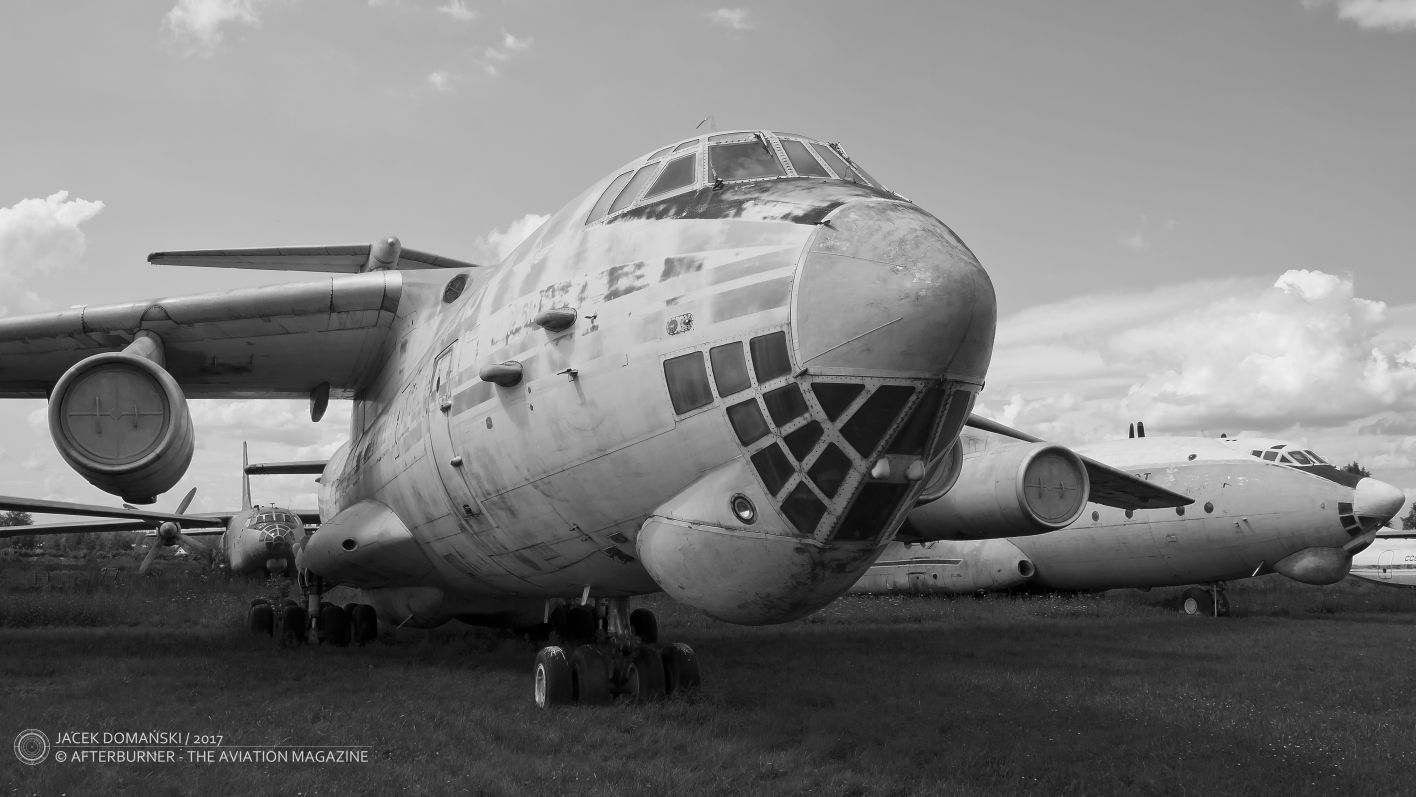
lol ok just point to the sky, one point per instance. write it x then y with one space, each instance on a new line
1198 215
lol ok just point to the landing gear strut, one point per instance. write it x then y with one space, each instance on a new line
611 654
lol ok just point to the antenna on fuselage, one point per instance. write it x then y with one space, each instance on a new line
245 479
712 124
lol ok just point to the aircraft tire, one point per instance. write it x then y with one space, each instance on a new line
364 623
644 677
258 601
334 625
589 676
644 625
580 622
680 668
1223 605
1196 602
553 682
292 625
349 611
262 619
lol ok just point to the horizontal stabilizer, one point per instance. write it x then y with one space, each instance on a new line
1109 486
277 468
386 253
13 504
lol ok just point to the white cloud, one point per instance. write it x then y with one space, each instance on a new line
497 244
198 23
1230 354
1134 240
510 45
458 10
1394 15
440 80
734 18
38 235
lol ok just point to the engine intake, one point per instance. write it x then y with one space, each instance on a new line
121 421
1013 491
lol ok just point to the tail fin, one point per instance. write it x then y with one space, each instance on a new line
245 479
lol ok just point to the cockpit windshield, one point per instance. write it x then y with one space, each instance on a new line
1292 456
1299 457
743 156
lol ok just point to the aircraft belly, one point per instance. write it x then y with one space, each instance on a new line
1119 554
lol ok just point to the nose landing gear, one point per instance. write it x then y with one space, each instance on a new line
613 655
1211 601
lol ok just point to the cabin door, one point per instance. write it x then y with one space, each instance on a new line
454 465
1384 563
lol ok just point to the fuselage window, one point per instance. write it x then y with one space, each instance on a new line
869 423
747 161
748 422
454 288
676 174
603 205
1297 456
688 382
634 187
803 509
729 368
769 356
774 467
837 164
785 404
800 156
1270 456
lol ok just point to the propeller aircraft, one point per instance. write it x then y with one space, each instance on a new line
725 371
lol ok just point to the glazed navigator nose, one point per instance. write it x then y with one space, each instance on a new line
888 290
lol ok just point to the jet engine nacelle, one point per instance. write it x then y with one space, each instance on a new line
1013 491
122 423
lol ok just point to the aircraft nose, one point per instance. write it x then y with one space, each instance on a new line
885 288
1377 499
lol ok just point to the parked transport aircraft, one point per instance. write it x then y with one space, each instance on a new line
1390 560
726 371
1261 506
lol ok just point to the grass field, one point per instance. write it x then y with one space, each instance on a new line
1302 691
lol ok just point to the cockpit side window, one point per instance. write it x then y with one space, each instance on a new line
677 173
1270 456
613 190
656 156
800 156
1317 460
686 145
837 164
1298 457
746 161
636 185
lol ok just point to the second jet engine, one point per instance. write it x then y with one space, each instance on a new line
1012 491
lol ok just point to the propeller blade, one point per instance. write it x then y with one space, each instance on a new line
190 544
182 507
151 555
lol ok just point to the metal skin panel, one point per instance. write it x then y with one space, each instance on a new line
546 487
1262 514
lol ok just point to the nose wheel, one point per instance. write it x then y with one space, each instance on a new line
618 659
1211 601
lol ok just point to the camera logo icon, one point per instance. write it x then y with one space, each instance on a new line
31 747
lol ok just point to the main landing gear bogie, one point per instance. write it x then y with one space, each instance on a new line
1211 601
611 656
335 625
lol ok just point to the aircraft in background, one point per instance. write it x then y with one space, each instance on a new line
724 371
256 539
1262 506
1390 560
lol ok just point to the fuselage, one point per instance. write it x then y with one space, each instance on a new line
1256 509
263 539
1389 561
734 337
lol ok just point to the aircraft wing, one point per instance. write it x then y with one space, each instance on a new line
348 258
82 527
314 466
1109 486
277 341
145 518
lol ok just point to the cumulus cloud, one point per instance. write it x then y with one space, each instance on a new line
1135 241
734 18
199 23
1303 350
1393 15
440 80
458 10
497 244
510 46
40 235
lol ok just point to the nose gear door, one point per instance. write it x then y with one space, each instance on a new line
1384 563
